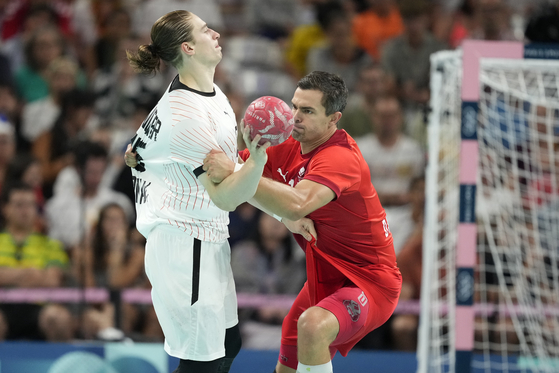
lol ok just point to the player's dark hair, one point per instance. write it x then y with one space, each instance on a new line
167 35
333 88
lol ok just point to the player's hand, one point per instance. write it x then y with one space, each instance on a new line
257 152
218 166
303 226
130 157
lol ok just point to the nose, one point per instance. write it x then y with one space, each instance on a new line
216 34
296 116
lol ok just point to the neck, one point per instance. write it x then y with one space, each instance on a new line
18 233
309 147
198 77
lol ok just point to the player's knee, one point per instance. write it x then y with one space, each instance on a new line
233 342
317 325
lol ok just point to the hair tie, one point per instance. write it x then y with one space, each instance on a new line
152 49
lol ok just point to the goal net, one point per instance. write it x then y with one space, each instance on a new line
516 272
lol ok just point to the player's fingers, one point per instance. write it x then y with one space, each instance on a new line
246 135
266 145
255 141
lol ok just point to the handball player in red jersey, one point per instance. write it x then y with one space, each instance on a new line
353 283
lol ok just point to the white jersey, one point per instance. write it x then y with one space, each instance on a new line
171 143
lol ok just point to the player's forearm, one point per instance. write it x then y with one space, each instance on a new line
238 188
281 200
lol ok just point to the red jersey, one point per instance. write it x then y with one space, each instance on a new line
352 232
353 226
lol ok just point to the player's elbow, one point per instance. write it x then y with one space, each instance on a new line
225 204
295 213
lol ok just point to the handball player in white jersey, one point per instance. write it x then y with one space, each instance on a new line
183 215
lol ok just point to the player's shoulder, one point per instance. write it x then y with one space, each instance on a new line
340 141
340 148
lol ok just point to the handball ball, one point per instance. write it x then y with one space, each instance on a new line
271 118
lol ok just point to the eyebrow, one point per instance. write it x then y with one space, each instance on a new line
205 25
303 107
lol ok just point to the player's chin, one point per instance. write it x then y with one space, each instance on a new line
298 136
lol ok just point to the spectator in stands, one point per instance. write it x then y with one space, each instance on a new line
40 115
357 118
27 169
111 260
543 27
243 223
394 160
7 147
79 196
492 21
30 260
117 26
17 29
14 19
268 264
339 54
120 90
404 327
9 103
304 37
6 76
381 22
274 19
44 46
405 59
54 149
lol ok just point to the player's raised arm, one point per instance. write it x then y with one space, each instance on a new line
240 186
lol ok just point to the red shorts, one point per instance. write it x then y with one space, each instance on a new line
349 305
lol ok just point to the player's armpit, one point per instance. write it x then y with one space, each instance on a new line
293 203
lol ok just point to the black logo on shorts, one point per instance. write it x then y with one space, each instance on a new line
353 309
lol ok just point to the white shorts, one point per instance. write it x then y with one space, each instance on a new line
193 293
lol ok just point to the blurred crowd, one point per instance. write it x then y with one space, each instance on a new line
70 102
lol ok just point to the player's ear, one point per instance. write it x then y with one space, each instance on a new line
188 48
335 118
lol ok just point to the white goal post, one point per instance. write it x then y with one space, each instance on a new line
490 286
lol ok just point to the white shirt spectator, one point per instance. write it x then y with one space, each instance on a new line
392 170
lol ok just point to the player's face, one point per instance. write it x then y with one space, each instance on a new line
312 125
205 43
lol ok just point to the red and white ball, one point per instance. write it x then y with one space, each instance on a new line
271 118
